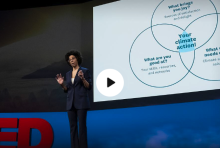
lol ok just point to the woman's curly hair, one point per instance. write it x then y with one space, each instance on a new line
77 54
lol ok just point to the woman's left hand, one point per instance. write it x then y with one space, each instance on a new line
80 74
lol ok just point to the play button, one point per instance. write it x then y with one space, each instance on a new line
109 82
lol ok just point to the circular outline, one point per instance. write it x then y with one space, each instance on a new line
191 68
186 27
179 54
212 33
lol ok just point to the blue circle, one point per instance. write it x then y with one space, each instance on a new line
179 53
197 48
212 33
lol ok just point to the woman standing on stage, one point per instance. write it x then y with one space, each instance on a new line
78 82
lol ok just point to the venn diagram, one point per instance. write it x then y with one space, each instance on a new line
182 43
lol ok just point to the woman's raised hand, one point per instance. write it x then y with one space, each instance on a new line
59 79
81 74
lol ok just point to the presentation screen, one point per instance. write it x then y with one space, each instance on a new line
145 48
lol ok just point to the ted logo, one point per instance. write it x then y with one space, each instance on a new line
23 136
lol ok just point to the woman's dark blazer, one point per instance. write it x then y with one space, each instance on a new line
77 93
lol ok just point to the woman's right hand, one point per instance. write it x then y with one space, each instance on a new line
59 79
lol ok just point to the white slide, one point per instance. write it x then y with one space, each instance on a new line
160 47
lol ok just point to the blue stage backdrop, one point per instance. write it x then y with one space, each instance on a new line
184 125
